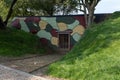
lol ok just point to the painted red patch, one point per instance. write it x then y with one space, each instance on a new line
32 19
81 19
54 33
16 23
29 19
33 31
44 41
37 19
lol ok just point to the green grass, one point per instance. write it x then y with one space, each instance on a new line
18 43
95 57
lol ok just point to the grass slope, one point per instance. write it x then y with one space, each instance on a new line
95 57
17 43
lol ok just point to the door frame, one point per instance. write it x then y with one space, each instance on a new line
64 32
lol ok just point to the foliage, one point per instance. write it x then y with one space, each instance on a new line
10 12
3 23
30 7
43 7
95 57
88 8
115 15
3 9
66 7
21 8
17 43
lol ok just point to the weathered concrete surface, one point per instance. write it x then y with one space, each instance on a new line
31 64
7 73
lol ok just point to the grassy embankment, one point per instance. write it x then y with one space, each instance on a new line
95 57
18 43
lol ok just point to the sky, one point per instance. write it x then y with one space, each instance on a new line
108 6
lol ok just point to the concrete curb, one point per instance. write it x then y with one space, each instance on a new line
7 73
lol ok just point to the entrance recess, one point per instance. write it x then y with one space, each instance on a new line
64 41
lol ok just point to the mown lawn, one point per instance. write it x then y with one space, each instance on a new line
18 43
95 57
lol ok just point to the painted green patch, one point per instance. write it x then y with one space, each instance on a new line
32 26
67 20
24 26
49 28
73 25
44 34
72 41
76 37
51 21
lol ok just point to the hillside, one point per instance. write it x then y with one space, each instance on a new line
17 43
95 57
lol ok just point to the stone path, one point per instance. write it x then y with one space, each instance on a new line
7 73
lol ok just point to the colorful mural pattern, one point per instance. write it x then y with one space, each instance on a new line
47 28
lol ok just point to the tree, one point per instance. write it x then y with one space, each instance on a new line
88 7
66 6
51 7
34 8
4 23
22 8
43 7
3 9
10 11
47 7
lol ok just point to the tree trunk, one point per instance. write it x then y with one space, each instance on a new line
85 16
50 12
2 24
10 12
90 17
63 11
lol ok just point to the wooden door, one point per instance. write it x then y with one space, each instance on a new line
64 41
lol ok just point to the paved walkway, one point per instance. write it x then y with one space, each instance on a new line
32 63
36 65
7 73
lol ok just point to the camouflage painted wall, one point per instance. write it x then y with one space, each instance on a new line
47 27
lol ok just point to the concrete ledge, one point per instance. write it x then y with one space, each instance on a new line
7 73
